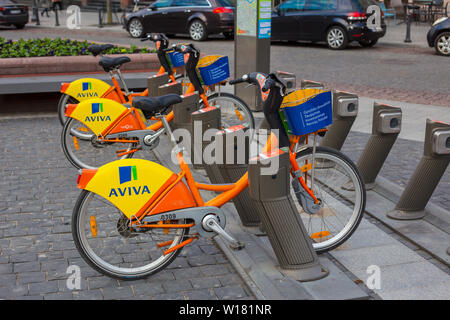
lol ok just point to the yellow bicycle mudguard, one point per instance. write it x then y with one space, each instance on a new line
96 114
86 88
128 184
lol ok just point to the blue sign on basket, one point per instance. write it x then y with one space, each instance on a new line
176 58
216 72
309 116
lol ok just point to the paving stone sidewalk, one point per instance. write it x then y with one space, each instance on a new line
38 192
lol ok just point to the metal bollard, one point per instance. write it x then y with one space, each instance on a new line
56 17
173 87
434 162
100 18
233 164
386 126
308 84
154 82
35 16
208 118
281 220
345 110
408 28
182 112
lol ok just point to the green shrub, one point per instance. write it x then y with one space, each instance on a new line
56 47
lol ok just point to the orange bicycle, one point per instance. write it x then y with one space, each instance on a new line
134 216
101 130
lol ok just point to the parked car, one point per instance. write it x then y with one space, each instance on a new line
337 22
198 18
12 13
439 36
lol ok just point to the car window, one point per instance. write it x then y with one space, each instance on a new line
182 3
364 4
320 5
292 5
345 5
226 3
200 3
162 3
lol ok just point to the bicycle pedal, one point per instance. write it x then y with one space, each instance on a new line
210 223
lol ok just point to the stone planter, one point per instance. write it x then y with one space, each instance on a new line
73 64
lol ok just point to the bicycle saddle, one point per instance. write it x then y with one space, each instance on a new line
96 49
152 106
109 63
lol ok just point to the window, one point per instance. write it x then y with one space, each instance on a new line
162 3
321 5
182 3
226 3
200 3
345 5
292 5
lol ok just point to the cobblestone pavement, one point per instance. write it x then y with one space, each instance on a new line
38 192
386 71
400 164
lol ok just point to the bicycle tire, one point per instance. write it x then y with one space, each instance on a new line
99 264
63 101
249 120
336 190
74 157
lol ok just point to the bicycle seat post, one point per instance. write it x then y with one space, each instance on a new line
122 81
169 131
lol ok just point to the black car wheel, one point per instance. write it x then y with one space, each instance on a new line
368 43
197 30
337 38
135 28
19 26
442 44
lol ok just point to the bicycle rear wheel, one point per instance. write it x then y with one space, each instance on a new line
88 152
106 241
234 111
339 187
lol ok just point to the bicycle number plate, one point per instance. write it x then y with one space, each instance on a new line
170 216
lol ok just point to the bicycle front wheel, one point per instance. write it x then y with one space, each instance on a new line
88 152
339 187
106 241
234 111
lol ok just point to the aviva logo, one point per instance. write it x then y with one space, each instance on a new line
96 108
85 86
127 174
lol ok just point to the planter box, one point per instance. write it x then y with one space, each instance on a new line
73 64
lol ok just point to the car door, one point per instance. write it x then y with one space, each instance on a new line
285 22
155 20
180 13
315 18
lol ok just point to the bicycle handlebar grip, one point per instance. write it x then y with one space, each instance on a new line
268 84
235 81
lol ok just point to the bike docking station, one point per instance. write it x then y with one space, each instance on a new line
232 162
386 125
281 220
345 110
182 112
429 171
154 82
